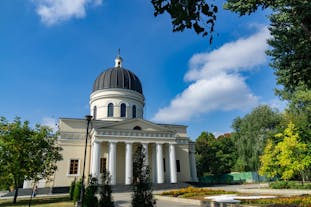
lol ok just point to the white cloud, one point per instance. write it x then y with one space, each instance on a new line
277 104
50 122
217 81
56 11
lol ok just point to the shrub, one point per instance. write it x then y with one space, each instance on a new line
77 191
105 192
90 199
71 190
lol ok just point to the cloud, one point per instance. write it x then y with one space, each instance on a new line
50 122
277 104
56 11
217 82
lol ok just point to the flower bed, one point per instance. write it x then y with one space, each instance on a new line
191 192
295 201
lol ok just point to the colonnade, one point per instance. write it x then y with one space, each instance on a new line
157 161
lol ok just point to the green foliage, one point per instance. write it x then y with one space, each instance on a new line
282 184
105 191
71 190
77 191
196 14
214 156
290 156
90 199
142 187
26 153
250 134
291 40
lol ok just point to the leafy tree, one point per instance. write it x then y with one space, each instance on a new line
250 134
142 186
215 156
105 191
90 199
291 40
26 153
290 156
188 14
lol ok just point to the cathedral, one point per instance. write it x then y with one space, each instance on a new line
116 129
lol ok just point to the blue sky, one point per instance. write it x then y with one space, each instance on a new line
51 51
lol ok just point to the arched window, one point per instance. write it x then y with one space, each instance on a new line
123 110
110 110
94 112
137 128
134 111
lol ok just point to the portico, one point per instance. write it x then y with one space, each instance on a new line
105 142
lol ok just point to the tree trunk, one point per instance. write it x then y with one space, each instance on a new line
16 194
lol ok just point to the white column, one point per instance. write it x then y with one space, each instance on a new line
112 162
128 163
160 172
154 164
95 159
145 146
193 167
173 173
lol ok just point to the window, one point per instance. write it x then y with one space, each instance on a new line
178 165
94 112
164 165
73 169
123 110
110 110
137 128
134 111
102 165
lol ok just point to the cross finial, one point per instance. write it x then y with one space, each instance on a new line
119 52
118 60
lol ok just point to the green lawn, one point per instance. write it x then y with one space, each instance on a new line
61 201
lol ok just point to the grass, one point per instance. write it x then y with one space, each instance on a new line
289 185
59 201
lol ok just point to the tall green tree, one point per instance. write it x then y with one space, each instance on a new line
290 43
26 153
142 186
288 158
215 156
250 134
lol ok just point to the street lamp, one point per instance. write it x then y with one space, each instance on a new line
88 119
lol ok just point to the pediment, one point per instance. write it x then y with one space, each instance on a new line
131 124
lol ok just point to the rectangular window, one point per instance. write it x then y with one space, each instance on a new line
73 168
102 165
164 165
178 165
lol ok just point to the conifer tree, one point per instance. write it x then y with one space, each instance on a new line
105 191
90 199
142 185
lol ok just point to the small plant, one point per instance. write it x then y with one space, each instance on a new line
77 191
72 188
105 191
90 199
142 187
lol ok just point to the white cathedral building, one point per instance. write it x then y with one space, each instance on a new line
118 126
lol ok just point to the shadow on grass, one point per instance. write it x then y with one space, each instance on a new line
35 201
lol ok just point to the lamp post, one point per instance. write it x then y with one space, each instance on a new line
88 119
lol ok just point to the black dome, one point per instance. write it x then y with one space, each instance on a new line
118 77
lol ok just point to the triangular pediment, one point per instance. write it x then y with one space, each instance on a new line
131 124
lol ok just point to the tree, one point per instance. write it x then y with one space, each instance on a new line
26 153
291 40
188 14
250 134
215 156
90 199
288 158
77 191
142 186
105 191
